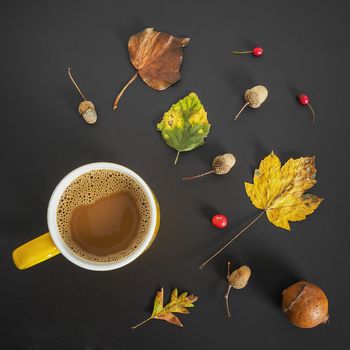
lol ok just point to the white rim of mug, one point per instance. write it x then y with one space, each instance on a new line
63 247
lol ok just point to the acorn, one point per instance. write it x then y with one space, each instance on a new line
221 165
86 108
305 305
254 98
238 279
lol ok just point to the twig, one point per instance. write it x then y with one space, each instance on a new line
241 52
75 84
228 289
226 300
241 110
313 113
231 240
197 176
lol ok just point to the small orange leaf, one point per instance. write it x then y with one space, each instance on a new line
178 304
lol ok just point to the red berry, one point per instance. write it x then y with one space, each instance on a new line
219 221
303 99
258 51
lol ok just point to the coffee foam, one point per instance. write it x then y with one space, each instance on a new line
87 189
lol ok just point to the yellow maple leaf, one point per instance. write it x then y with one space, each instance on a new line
280 191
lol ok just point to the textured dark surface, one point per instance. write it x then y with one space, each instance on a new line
57 305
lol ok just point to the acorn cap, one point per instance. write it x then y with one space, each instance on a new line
223 163
84 106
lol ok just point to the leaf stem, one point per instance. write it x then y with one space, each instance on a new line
231 240
197 176
177 157
141 323
241 110
115 104
75 84
313 113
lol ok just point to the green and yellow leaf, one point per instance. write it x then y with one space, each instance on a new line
185 126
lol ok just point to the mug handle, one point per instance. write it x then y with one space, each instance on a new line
34 252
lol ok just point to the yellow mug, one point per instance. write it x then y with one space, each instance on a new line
50 244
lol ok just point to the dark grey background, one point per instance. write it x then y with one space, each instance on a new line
57 305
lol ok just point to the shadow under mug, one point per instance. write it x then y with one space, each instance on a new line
50 244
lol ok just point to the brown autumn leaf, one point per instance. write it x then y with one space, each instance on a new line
178 303
157 57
